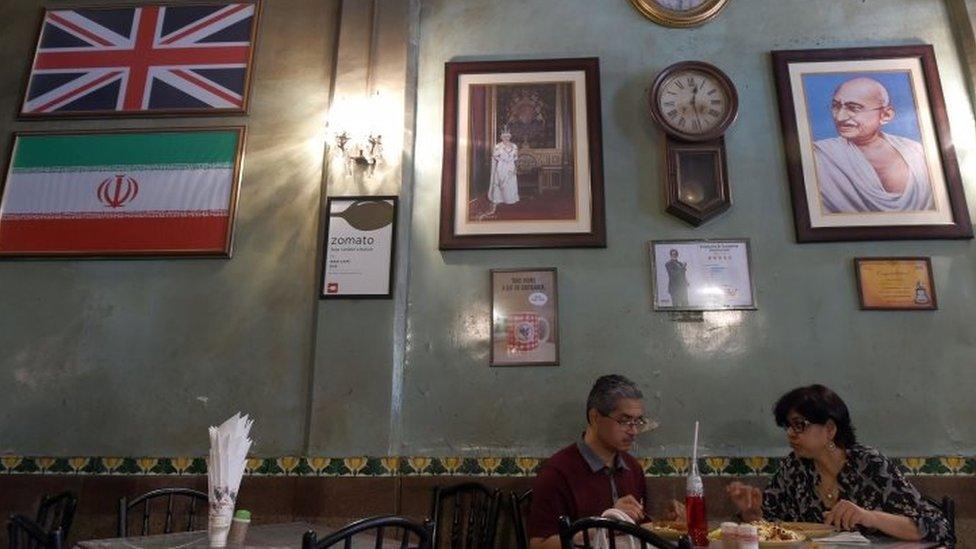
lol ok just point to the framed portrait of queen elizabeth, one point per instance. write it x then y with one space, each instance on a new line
523 155
868 148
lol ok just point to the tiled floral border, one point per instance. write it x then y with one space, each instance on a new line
429 466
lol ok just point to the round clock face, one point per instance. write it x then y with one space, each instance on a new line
694 101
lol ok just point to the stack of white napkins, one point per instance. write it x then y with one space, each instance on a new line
845 538
229 445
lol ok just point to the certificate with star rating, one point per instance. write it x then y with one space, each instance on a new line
701 275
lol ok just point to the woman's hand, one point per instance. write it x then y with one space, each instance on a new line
846 515
747 498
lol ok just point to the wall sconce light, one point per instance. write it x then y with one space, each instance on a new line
365 152
356 132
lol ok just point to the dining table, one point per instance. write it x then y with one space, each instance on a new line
288 535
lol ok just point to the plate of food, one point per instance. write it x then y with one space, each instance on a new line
810 529
667 529
775 535
770 535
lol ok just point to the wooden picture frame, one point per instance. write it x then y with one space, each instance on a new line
142 60
524 317
121 193
895 284
680 13
837 194
702 275
359 238
523 155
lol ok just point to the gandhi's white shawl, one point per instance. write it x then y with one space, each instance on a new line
848 183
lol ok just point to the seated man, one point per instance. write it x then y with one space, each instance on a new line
594 473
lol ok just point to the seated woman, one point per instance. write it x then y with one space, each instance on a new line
830 478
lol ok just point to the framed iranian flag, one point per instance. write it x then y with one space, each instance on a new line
121 193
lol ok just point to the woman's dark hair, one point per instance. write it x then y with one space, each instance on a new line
817 404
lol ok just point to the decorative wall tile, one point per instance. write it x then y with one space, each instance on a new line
367 466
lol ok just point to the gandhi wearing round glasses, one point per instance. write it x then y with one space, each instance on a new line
865 169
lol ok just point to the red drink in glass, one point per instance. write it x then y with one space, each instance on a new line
697 521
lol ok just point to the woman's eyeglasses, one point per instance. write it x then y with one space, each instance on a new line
797 425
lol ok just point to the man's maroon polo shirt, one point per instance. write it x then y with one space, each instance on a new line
577 485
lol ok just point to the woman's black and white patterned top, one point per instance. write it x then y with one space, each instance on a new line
868 480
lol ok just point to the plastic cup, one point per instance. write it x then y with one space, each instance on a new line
218 525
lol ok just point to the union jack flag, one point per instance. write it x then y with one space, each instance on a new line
152 58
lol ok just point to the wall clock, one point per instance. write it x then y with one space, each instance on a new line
679 13
695 103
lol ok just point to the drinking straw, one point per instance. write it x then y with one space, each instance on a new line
694 448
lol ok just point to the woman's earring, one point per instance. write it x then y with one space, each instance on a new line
831 445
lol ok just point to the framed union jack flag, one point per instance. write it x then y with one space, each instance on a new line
143 60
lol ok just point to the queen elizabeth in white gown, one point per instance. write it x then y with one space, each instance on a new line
504 183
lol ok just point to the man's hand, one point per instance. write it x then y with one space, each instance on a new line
629 504
747 498
675 511
846 515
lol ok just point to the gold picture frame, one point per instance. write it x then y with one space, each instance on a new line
659 12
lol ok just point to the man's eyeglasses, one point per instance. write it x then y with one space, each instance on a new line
797 425
640 424
853 108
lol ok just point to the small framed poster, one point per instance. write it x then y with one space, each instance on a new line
702 275
360 237
524 317
895 283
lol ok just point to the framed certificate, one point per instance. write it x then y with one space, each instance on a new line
701 275
895 283
524 317
359 243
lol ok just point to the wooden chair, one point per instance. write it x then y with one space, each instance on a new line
474 515
422 532
519 506
57 513
613 528
24 533
192 498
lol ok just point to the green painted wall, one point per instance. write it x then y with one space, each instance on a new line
906 375
137 357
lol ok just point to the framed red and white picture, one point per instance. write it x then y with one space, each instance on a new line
143 60
523 155
121 193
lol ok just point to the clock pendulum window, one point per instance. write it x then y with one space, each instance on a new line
694 103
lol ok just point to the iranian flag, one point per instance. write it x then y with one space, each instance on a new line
123 192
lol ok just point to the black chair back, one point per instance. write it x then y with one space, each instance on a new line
24 533
57 512
194 505
423 533
473 520
519 506
613 528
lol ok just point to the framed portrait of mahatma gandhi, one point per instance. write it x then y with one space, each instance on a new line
523 155
868 148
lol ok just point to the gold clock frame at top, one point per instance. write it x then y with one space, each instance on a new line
679 18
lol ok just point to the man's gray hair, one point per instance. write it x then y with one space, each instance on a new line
608 390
